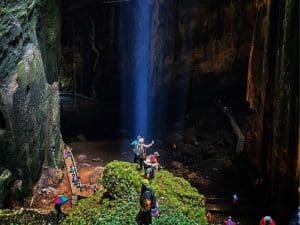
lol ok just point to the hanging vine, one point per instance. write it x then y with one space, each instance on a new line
93 46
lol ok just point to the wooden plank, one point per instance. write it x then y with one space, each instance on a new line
74 189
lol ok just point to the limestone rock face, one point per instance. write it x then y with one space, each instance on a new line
201 41
29 103
273 94
5 179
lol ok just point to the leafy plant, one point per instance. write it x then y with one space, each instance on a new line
180 204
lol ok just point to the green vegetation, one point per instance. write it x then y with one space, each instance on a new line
118 204
26 217
180 204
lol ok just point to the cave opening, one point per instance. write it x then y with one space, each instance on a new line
195 74
194 64
214 84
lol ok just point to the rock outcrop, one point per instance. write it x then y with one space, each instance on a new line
273 94
29 103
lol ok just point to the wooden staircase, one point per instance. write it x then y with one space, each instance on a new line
240 136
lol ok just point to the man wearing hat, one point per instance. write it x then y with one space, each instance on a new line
134 145
151 164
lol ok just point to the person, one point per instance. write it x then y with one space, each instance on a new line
229 221
235 199
149 172
267 220
59 213
134 145
95 189
142 151
208 217
147 203
75 180
153 158
72 169
295 220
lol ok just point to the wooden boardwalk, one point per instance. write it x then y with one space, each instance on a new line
80 189
225 205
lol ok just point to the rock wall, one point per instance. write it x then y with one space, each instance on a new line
206 44
273 93
29 103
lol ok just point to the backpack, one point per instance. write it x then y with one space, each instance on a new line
147 201
150 170
135 147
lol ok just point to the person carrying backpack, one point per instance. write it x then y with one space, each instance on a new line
150 172
147 202
134 145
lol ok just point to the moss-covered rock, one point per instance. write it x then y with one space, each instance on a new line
121 179
29 103
180 204
26 217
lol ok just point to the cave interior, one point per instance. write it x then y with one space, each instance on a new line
215 84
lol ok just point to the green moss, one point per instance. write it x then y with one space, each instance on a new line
26 217
121 179
180 204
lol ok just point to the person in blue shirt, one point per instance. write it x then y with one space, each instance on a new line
134 145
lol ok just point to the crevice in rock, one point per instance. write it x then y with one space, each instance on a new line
2 122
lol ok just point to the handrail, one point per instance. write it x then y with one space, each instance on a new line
78 95
241 138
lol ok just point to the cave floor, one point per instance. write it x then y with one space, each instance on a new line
209 176
210 165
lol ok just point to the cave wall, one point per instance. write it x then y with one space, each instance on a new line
89 51
206 45
273 93
199 52
29 103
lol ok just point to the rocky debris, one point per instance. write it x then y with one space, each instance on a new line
81 158
94 177
28 91
81 165
192 176
97 160
48 190
177 165
81 138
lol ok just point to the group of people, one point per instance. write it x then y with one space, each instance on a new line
75 176
148 163
266 220
148 203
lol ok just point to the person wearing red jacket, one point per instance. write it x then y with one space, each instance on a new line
267 220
